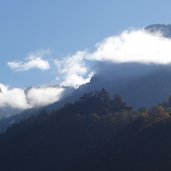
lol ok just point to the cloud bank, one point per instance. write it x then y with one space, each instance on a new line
34 60
135 46
138 46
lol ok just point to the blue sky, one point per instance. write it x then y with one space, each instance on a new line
65 26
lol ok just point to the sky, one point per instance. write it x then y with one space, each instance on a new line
64 27
60 42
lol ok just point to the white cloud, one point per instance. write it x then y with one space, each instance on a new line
72 71
19 99
136 46
44 96
13 98
33 60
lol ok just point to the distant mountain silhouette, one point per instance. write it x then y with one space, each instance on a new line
164 29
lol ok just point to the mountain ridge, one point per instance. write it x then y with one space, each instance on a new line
94 133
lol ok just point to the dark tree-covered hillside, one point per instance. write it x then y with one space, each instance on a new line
96 133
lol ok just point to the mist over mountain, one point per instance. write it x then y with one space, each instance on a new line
142 84
10 116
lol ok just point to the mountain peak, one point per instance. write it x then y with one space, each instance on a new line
165 29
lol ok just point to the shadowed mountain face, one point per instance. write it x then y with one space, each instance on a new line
139 147
141 85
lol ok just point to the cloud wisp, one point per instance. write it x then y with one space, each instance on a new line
32 61
73 70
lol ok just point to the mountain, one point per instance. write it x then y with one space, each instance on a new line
6 122
94 133
141 85
94 129
163 28
144 146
